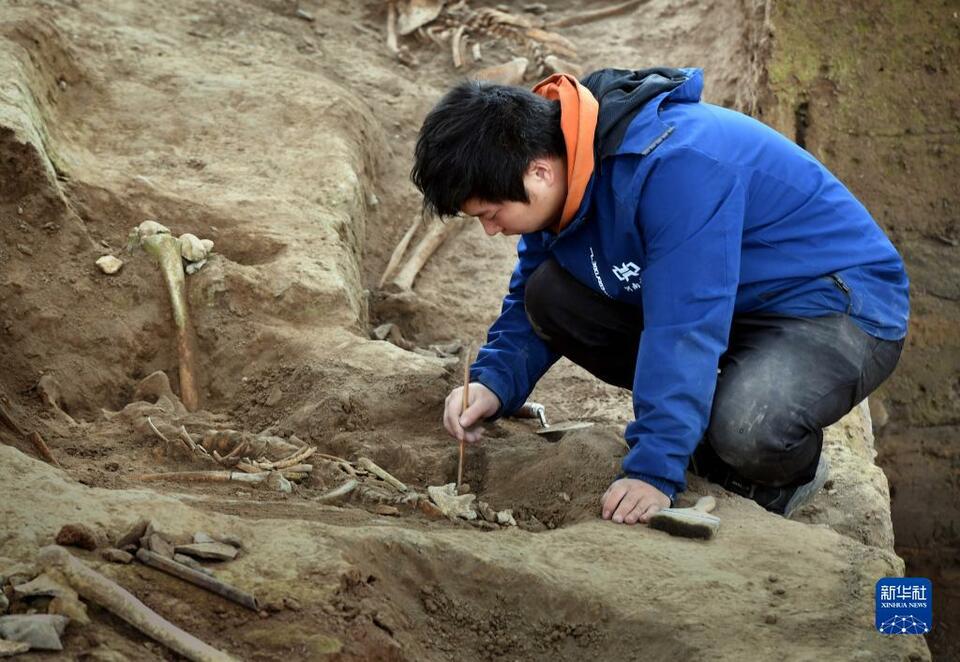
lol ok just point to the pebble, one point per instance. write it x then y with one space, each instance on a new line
773 579
26 250
429 509
11 648
463 489
505 517
486 512
158 545
214 551
114 555
133 534
39 631
779 591
4 603
770 619
109 264
79 535
278 483
385 509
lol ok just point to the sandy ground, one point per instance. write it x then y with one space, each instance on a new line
287 142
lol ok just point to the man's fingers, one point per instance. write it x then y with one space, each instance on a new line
639 511
614 494
649 512
627 504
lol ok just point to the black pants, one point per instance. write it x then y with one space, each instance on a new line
781 381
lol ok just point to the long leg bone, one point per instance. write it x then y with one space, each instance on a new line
401 248
597 14
380 473
208 477
421 254
207 582
111 596
338 492
166 250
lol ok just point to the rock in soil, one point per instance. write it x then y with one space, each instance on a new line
10 648
213 551
505 517
79 535
115 555
134 533
109 264
39 631
158 545
4 603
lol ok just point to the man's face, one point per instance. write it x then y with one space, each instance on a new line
546 185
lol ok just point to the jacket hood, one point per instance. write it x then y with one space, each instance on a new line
622 94
578 121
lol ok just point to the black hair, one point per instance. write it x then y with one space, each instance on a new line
478 142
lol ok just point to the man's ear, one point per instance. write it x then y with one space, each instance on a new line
543 170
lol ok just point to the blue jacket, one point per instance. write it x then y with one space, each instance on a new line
698 214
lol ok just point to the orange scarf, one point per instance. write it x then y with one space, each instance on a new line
578 121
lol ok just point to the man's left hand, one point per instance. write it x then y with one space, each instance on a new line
629 501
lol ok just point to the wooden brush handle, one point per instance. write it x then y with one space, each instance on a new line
705 504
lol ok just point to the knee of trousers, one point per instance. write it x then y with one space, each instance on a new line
541 297
768 449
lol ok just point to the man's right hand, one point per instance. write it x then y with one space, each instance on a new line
463 425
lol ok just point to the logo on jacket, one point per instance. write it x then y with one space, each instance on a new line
626 271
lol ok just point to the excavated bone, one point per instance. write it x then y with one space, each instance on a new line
412 14
151 228
213 551
109 264
42 586
192 248
108 594
11 648
156 387
509 73
194 267
166 250
450 503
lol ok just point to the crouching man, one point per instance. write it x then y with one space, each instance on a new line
677 249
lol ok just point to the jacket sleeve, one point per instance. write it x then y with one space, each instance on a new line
515 357
690 214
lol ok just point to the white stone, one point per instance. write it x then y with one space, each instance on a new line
505 517
109 264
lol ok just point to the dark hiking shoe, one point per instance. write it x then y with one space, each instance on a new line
788 500
781 500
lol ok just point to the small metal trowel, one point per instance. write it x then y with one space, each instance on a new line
551 433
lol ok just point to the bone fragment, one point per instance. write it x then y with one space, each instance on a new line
400 249
213 551
475 51
435 236
450 503
109 264
293 460
557 42
414 14
555 65
392 27
193 248
111 596
42 448
200 579
509 73
208 477
151 228
338 492
8 421
166 250
456 45
380 473
39 631
596 14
